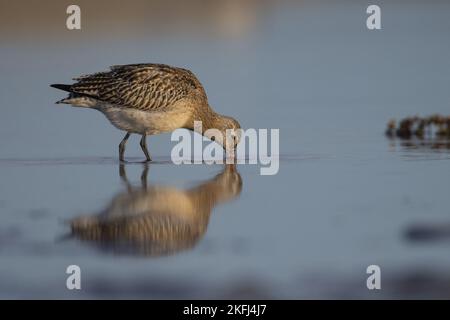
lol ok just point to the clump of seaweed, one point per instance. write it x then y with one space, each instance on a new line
431 127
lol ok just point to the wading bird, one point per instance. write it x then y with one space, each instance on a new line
148 99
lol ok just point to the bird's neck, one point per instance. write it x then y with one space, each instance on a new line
209 118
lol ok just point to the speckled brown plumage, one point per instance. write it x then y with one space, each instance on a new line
140 86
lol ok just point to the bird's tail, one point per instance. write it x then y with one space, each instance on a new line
63 87
75 99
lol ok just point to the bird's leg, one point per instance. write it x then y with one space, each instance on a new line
122 146
144 148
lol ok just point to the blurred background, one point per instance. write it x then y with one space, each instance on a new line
345 197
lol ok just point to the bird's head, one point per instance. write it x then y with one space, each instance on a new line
230 132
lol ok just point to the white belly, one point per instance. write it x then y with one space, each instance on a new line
145 122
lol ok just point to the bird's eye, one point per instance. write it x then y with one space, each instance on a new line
213 138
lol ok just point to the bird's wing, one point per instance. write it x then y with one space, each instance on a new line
138 86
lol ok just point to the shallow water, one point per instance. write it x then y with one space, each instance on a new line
345 197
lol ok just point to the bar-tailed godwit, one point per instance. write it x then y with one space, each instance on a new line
148 99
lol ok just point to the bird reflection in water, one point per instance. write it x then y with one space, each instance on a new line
157 220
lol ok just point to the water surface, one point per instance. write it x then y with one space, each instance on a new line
345 197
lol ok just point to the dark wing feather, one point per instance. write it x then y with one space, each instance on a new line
139 86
